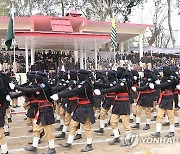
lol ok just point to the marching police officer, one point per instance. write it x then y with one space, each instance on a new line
166 100
4 91
70 105
45 115
121 105
108 100
145 99
84 113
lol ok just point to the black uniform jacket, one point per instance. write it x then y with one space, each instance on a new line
121 103
84 109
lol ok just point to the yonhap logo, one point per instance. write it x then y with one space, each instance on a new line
160 140
133 139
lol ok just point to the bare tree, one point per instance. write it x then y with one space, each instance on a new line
159 16
62 7
169 23
103 9
5 7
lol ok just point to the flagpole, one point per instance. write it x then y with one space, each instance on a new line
114 54
14 42
14 49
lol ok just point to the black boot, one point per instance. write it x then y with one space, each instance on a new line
87 148
136 126
171 134
25 118
5 153
57 121
146 127
176 125
156 134
106 125
6 133
30 130
165 124
50 151
154 118
12 110
31 148
66 145
59 128
61 136
77 137
100 131
120 120
9 120
114 141
131 120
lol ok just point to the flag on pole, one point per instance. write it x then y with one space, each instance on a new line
113 34
10 33
10 30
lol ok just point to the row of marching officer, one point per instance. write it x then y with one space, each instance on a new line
4 106
76 96
39 94
154 91
117 88
167 100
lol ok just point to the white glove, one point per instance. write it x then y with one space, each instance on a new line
54 97
135 77
97 92
178 86
151 85
121 84
134 89
134 104
8 98
157 106
12 86
157 81
11 103
179 103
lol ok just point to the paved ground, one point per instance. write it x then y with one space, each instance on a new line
19 138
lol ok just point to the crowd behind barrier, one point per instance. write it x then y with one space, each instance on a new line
55 61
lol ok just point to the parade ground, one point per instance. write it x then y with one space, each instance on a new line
68 57
19 138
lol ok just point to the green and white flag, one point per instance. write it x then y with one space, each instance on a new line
10 30
113 34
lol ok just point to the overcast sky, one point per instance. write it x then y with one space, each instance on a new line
145 16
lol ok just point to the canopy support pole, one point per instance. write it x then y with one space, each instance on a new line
76 59
0 43
140 46
121 47
26 54
85 57
81 56
32 56
95 54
